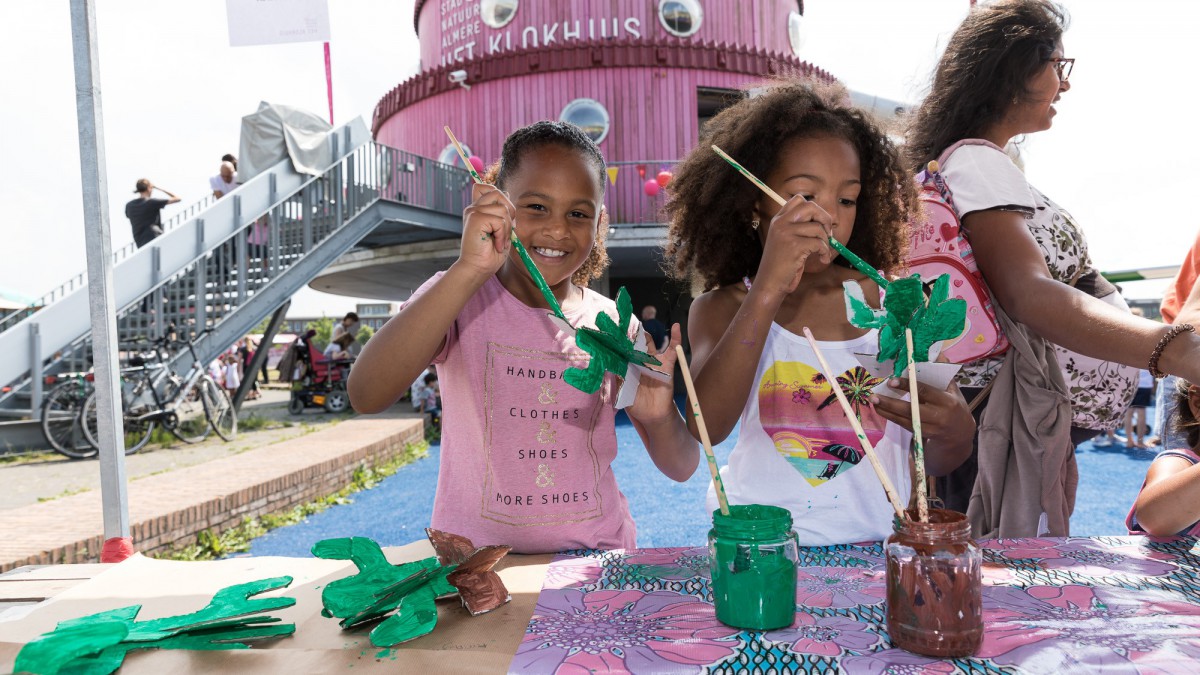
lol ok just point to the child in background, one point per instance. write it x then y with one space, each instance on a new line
768 272
429 400
526 459
1169 502
233 373
1136 428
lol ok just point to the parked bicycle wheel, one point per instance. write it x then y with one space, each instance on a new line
61 420
219 409
137 432
192 425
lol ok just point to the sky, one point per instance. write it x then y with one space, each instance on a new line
1119 157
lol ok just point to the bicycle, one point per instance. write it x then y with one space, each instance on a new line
61 420
152 394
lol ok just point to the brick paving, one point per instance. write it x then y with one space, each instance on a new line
172 507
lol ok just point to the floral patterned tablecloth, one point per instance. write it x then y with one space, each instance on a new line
1076 605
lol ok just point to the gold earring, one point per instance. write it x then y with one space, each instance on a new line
754 224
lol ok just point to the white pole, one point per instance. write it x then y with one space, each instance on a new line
99 269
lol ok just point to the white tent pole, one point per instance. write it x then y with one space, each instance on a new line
99 269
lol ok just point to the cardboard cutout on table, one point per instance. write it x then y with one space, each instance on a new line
410 588
96 644
904 307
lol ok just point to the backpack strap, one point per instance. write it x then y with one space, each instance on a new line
966 141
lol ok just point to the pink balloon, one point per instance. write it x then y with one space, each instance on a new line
651 187
476 162
663 178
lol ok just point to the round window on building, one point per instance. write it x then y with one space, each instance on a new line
681 18
588 115
449 155
796 31
497 13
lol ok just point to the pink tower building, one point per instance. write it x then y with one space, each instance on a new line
641 77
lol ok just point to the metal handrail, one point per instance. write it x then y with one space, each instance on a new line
237 267
120 254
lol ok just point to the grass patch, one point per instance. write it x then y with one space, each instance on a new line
253 422
211 545
29 457
65 493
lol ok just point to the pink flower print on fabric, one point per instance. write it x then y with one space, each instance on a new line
838 587
801 396
824 636
1089 557
896 662
671 564
622 632
1082 629
572 572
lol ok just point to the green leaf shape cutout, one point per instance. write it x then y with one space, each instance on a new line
48 654
609 346
904 306
229 620
380 587
417 616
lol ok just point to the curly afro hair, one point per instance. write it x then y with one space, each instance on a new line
710 241
569 136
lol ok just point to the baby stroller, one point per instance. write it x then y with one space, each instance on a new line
318 382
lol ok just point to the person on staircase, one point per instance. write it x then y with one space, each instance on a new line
145 213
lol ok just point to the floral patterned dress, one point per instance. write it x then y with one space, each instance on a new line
982 177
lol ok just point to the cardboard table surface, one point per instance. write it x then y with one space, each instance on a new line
460 643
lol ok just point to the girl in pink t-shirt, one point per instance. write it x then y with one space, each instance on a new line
526 460
1169 502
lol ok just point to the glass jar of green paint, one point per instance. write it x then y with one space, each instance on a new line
753 553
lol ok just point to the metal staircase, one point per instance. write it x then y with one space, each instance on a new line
230 264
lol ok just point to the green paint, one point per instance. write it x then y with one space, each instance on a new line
610 347
97 644
858 263
904 306
536 275
754 552
380 587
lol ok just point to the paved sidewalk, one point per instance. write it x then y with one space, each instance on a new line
173 506
54 476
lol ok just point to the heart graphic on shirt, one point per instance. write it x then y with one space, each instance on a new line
807 426
817 460
949 232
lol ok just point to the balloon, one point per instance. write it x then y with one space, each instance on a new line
663 178
476 162
651 188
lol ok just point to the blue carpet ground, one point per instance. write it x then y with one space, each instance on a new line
667 513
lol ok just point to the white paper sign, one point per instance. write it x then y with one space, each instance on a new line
271 22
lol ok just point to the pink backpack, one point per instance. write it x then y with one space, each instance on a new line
938 247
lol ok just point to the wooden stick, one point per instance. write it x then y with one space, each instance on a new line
531 266
753 179
463 155
718 484
857 426
922 489
512 234
857 262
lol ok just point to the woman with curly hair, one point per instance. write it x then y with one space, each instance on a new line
526 459
768 272
1003 72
